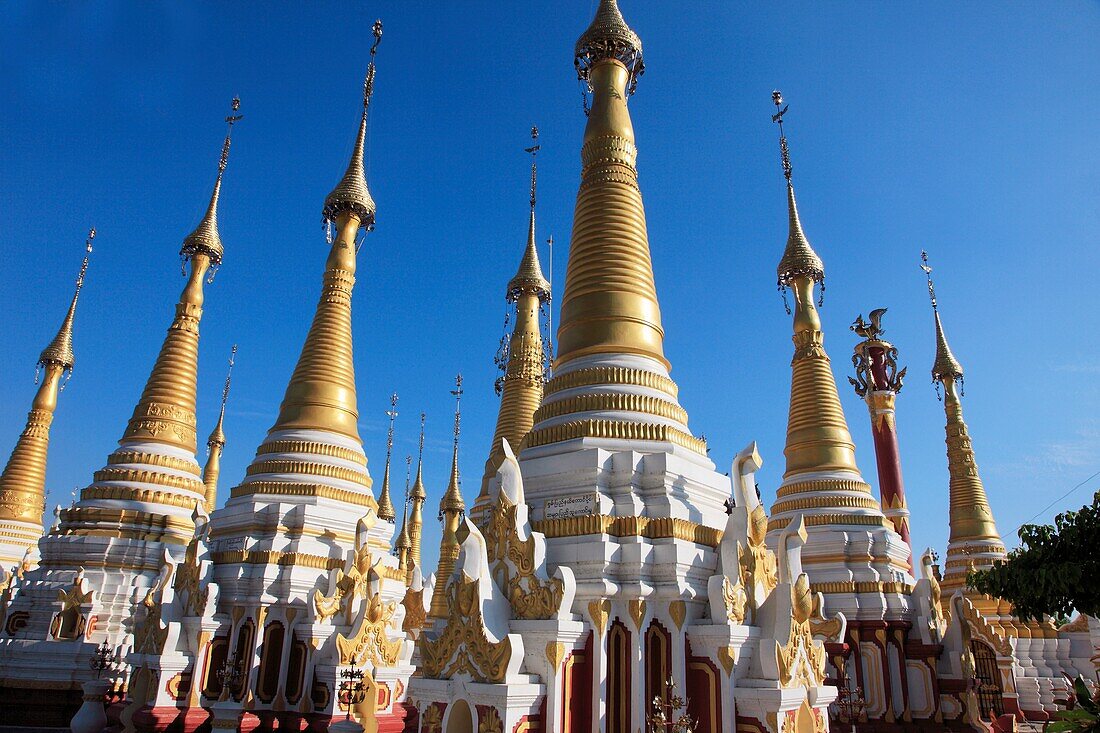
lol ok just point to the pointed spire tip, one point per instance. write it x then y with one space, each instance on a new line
205 239
351 193
60 350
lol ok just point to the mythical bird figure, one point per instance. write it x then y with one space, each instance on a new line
871 329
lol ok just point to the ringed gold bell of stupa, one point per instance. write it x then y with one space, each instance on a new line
23 481
974 542
522 357
853 554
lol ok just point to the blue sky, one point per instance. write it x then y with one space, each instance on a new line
966 129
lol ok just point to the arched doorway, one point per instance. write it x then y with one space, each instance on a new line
459 718
988 678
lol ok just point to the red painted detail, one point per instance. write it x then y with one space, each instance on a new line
658 661
165 717
745 724
704 691
396 720
887 456
620 656
249 722
576 711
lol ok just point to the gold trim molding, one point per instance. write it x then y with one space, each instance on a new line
287 488
651 528
311 448
612 375
612 401
615 430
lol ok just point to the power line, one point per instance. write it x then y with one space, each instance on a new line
1060 498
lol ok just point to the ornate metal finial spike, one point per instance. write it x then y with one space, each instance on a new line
780 110
420 454
230 120
60 350
205 239
408 475
368 83
229 375
217 436
457 392
351 193
392 414
533 150
946 366
928 274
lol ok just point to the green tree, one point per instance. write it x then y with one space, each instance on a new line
1054 571
1084 717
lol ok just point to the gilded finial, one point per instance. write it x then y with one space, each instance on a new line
529 277
206 239
351 193
60 350
457 392
404 541
385 503
799 258
217 436
609 37
534 151
777 100
946 368
452 499
418 491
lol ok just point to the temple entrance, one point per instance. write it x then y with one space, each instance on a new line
461 719
988 678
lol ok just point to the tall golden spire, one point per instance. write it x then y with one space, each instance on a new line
23 482
215 444
974 540
522 355
451 509
166 411
610 300
321 393
611 379
385 503
822 479
404 543
417 497
817 433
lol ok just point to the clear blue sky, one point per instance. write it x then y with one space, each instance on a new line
969 130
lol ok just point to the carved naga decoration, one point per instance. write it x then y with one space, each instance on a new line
465 645
517 555
345 585
801 660
150 634
746 567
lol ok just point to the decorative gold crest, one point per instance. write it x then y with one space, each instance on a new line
599 611
462 646
678 611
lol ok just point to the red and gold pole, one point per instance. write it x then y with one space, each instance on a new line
878 382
